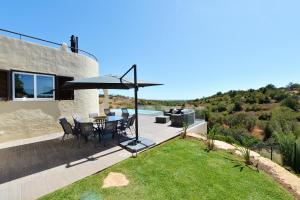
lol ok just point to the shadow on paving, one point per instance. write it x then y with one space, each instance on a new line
24 160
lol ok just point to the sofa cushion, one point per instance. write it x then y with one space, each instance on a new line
178 111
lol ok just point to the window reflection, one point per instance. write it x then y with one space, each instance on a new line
24 86
44 86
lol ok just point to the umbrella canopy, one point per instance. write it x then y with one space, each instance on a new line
105 82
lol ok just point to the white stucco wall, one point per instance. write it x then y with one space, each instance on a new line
30 118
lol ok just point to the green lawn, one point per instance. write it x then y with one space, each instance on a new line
179 169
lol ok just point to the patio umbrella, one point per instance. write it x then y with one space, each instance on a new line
112 82
105 82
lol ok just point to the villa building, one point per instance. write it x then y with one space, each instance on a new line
31 76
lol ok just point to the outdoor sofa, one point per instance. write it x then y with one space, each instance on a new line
186 115
172 111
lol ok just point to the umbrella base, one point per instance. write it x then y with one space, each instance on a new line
135 146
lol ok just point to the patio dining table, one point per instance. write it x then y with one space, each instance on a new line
100 119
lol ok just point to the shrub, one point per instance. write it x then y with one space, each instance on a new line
245 151
251 99
237 106
241 120
203 114
254 108
232 93
268 131
264 116
283 120
184 130
228 139
291 102
289 150
293 86
270 87
215 119
298 118
211 138
297 159
263 99
221 107
278 95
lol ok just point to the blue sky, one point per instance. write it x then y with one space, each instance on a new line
196 48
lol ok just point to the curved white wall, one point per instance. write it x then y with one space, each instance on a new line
27 119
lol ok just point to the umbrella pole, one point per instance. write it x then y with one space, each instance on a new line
136 87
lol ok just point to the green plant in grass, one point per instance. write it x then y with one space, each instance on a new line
245 151
184 130
211 139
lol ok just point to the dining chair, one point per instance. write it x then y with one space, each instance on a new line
110 129
108 112
87 130
68 130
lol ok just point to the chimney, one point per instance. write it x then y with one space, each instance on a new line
74 44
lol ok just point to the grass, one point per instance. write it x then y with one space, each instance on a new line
179 169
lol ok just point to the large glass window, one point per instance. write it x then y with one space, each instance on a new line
28 86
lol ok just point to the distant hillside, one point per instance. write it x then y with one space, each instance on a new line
264 98
258 105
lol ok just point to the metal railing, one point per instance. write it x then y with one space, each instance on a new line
47 41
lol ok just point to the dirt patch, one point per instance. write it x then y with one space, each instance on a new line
115 179
257 133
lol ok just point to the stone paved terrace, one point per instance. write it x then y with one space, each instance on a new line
34 167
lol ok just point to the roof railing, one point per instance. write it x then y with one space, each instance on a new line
47 41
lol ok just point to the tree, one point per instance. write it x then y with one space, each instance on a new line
270 87
293 86
219 93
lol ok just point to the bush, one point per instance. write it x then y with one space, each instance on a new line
290 150
245 151
297 159
211 138
263 99
278 95
283 120
291 102
184 130
215 119
251 99
221 107
228 139
293 86
254 108
270 87
237 106
203 114
241 120
264 116
268 130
